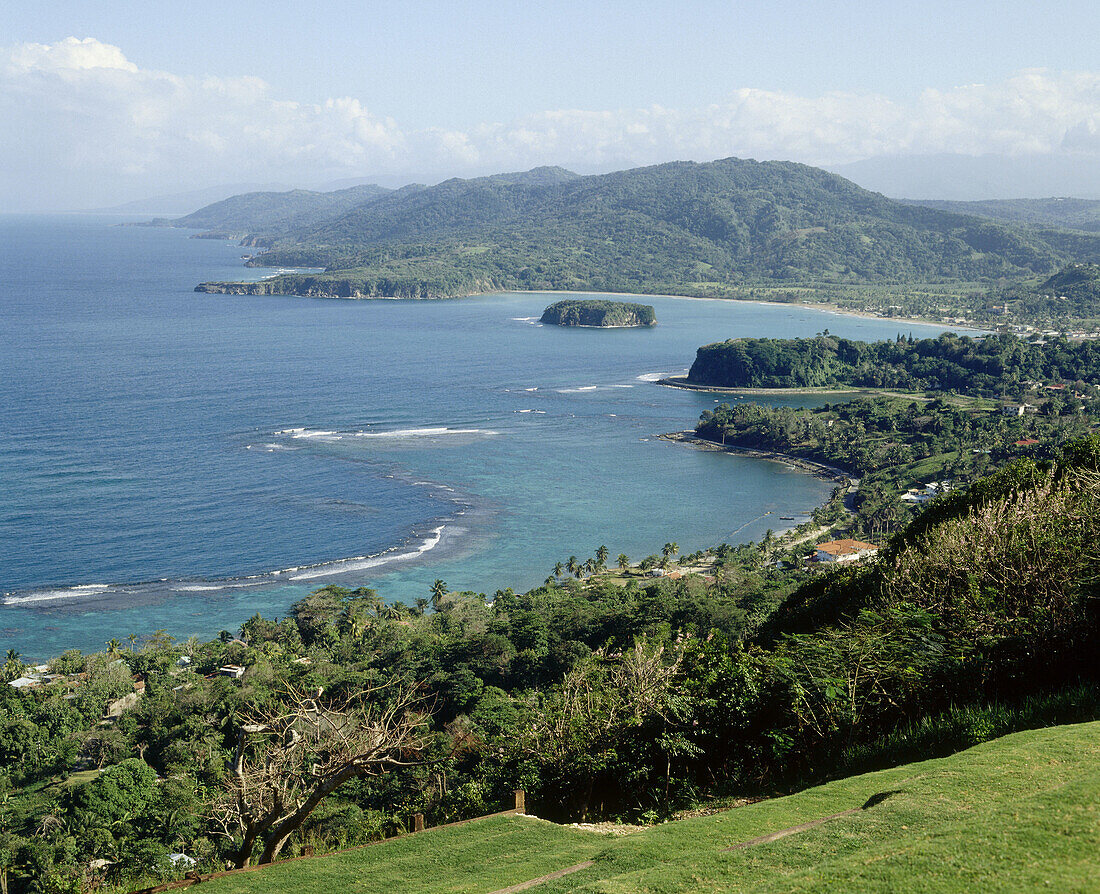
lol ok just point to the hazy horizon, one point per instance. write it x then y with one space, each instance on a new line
948 101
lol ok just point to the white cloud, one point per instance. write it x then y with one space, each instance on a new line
69 54
85 126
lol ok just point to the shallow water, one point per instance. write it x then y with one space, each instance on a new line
179 460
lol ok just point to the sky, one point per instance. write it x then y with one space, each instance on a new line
110 102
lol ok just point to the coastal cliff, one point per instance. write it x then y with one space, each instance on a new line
322 286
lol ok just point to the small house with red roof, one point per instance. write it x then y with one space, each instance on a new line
844 551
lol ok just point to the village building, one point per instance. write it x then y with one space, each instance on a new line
927 492
844 551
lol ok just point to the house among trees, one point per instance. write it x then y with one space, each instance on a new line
926 493
844 551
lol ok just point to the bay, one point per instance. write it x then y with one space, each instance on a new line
176 460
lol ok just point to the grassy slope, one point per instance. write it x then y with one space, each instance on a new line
481 856
1018 813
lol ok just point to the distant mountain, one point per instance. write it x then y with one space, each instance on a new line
186 202
270 213
685 227
1076 214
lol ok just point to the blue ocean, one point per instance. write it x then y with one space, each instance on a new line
176 460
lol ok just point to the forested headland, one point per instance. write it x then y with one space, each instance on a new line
990 366
949 409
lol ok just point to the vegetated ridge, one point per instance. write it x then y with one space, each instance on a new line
599 313
681 228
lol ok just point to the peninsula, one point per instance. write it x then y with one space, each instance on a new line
599 314
732 228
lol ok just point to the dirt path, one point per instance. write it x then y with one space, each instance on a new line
523 886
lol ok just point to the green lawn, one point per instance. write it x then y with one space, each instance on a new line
481 856
1019 813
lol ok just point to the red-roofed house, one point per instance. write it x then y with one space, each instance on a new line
844 551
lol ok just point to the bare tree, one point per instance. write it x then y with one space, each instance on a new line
291 756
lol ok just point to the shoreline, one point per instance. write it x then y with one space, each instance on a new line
241 288
821 470
839 477
824 307
683 383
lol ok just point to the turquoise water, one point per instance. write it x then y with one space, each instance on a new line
178 460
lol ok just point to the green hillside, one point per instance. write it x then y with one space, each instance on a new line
681 227
1018 813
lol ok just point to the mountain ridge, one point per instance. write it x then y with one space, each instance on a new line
681 227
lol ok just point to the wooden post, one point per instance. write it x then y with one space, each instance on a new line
418 822
520 795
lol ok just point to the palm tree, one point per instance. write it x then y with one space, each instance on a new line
601 557
623 561
421 605
161 639
670 549
558 568
439 590
13 667
132 638
590 566
113 647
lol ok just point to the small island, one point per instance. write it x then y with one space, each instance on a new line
599 314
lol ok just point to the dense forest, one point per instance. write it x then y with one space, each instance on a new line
873 434
595 312
603 693
989 366
683 228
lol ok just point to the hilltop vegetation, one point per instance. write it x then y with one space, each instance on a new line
595 312
705 229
